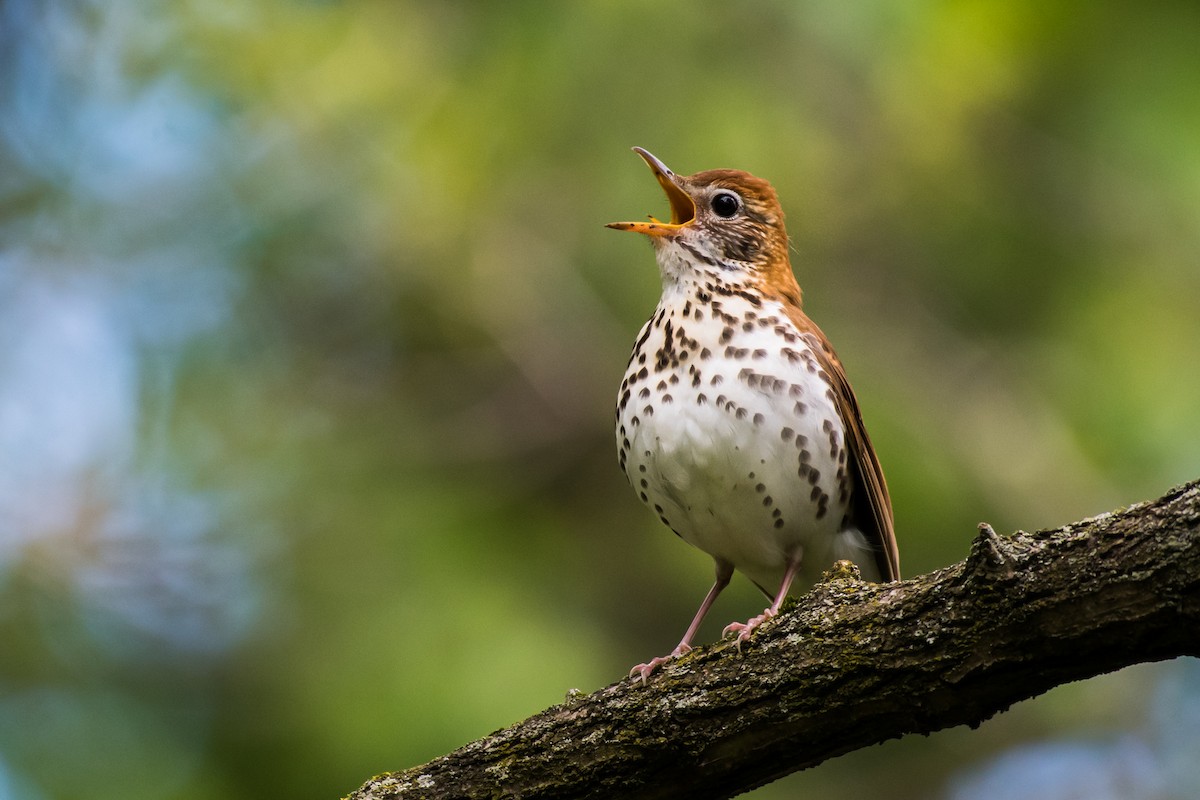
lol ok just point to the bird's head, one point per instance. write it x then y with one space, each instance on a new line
724 222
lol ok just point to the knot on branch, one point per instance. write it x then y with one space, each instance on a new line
842 572
841 583
990 555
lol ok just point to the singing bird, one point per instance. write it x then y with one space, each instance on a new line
735 422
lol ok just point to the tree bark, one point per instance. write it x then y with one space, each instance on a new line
852 664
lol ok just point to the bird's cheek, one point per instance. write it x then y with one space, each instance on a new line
741 249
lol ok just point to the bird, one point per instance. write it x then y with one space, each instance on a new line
735 421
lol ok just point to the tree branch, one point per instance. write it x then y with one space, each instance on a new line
852 664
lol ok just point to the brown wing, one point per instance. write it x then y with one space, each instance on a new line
870 504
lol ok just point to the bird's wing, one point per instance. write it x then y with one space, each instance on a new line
871 505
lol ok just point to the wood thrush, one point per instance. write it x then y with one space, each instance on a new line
735 421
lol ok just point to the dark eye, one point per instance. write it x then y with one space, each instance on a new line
725 204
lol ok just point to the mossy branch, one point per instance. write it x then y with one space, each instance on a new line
853 664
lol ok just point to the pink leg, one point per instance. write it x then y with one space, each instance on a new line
724 573
744 629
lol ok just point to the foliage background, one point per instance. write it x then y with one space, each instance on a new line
311 333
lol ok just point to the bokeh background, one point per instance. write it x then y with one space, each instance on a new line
310 332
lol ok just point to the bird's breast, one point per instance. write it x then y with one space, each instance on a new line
727 428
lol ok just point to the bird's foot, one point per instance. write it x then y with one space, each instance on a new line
643 671
745 629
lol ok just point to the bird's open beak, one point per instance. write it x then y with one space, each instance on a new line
683 210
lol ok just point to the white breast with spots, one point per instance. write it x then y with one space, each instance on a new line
727 429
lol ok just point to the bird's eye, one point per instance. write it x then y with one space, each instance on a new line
726 204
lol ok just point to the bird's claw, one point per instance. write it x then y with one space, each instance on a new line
744 630
644 671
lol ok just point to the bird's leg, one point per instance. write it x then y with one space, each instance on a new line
745 629
724 573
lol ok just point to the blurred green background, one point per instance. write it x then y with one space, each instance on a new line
312 331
